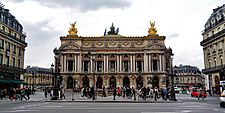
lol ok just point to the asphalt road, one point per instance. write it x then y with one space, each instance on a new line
73 107
38 104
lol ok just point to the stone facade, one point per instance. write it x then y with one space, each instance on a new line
213 47
113 60
12 48
38 78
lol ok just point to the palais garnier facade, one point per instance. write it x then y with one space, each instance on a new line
113 60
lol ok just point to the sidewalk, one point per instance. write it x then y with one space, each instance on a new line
109 99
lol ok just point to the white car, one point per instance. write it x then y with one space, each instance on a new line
222 99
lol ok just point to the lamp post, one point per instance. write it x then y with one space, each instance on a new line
93 71
172 74
55 84
72 91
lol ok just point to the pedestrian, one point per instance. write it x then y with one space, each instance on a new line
46 93
134 93
1 94
28 92
200 94
103 92
155 93
23 94
114 93
118 91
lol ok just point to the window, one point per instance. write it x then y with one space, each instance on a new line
14 49
99 66
70 65
2 44
3 28
155 65
125 66
19 51
112 66
209 63
139 66
85 66
221 60
14 62
15 35
7 60
7 46
177 80
10 32
18 62
215 62
1 58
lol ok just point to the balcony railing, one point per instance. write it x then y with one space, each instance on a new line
213 37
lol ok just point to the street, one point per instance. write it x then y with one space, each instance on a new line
185 104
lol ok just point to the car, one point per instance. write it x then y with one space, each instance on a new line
222 99
195 93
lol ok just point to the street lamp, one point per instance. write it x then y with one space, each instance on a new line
93 69
172 74
55 88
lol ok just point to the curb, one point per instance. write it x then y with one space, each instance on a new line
79 101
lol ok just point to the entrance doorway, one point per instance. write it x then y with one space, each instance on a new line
69 82
85 81
126 82
112 82
155 82
99 82
139 82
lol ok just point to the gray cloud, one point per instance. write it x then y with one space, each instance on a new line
84 5
40 44
173 35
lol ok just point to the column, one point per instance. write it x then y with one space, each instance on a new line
160 61
118 63
121 63
164 63
61 62
79 63
91 64
75 63
65 63
107 63
145 63
134 67
104 64
150 63
131 63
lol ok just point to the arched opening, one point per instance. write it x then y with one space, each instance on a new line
99 82
139 82
126 82
217 84
69 82
85 81
112 82
155 82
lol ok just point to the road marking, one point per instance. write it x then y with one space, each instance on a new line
13 111
159 112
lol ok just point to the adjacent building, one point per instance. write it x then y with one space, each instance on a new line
38 78
12 48
214 50
113 60
188 76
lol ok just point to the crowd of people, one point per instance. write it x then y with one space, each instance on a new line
16 93
127 92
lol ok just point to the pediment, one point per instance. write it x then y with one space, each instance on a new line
69 46
155 46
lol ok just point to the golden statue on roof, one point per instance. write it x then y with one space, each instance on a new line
73 29
152 30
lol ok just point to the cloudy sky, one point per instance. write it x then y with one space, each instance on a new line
181 21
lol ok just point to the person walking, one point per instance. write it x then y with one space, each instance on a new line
134 93
200 94
1 94
103 92
114 93
23 94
